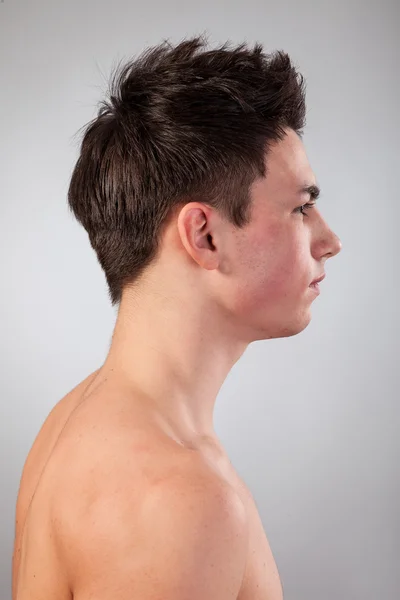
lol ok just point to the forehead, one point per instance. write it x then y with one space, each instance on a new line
288 167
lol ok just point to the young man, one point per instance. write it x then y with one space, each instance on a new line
195 190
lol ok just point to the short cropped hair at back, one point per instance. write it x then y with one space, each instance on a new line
180 123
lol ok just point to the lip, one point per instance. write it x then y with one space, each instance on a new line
318 279
315 288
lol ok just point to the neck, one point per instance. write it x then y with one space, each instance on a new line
177 351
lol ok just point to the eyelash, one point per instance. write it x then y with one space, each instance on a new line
306 206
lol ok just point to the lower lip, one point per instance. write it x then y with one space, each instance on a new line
315 287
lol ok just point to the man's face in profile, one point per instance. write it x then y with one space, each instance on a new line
275 258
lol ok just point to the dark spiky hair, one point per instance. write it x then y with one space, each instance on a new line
181 123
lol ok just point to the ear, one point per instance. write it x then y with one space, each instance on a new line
196 233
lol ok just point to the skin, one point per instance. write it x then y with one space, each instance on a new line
144 419
215 289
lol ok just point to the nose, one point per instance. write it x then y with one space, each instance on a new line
326 244
335 245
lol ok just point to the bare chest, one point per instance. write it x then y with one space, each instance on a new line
261 580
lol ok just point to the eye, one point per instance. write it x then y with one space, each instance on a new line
304 207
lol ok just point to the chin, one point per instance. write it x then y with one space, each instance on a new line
287 329
299 325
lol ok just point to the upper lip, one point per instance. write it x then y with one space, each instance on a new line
318 279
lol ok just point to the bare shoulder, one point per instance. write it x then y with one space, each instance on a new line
187 536
198 490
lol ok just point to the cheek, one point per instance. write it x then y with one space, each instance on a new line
274 267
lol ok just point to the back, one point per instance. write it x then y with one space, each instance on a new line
31 510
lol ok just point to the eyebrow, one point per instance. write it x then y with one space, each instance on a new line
313 190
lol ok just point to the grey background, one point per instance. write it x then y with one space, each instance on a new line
310 422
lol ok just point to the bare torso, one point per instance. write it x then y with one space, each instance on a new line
78 435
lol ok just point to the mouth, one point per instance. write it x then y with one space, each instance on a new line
314 285
318 280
